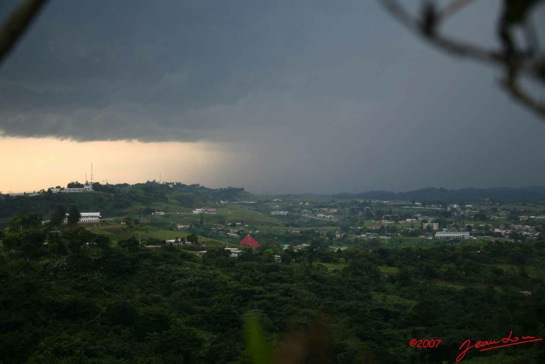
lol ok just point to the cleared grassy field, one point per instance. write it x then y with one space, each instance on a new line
334 266
117 232
389 300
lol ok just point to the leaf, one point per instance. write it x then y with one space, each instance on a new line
515 12
256 345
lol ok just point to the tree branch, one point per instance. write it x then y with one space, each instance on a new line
17 23
513 87
532 39
453 7
450 45
515 64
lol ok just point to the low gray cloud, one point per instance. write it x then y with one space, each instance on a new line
174 61
329 96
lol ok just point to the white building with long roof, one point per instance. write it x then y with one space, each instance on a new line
452 235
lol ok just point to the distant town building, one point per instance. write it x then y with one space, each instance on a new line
90 217
234 252
322 216
204 210
87 218
279 213
174 242
452 235
249 241
431 225
158 213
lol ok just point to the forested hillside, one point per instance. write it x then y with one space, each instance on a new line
70 296
118 200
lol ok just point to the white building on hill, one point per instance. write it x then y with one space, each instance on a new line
85 188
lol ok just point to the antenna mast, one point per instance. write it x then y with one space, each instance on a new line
91 173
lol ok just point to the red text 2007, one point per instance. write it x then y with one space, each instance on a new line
425 344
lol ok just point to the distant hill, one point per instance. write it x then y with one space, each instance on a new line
501 194
120 199
143 198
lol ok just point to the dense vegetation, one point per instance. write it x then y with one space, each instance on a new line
360 277
80 299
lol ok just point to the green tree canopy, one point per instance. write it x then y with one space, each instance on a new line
58 216
27 221
73 216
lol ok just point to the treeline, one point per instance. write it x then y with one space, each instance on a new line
464 195
70 296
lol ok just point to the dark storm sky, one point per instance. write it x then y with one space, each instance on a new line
320 96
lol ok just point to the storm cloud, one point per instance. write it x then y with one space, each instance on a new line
328 96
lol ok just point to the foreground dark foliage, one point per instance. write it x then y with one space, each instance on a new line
70 297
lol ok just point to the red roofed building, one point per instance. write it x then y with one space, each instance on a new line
249 241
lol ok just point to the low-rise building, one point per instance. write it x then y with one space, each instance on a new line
234 252
279 213
204 210
250 242
430 225
90 217
452 235
86 218
86 188
174 242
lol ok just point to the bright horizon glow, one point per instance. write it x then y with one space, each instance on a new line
32 164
